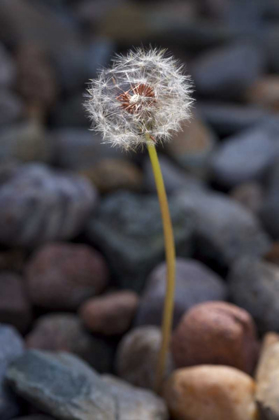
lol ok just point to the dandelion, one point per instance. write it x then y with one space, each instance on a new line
142 99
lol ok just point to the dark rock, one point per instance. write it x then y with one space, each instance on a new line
12 259
15 307
35 417
39 205
11 107
195 283
228 70
250 195
122 226
224 229
7 68
70 112
11 347
270 207
254 286
63 275
65 332
229 164
270 41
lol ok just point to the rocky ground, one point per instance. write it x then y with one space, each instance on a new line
82 271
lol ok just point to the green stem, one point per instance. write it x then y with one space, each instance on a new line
170 258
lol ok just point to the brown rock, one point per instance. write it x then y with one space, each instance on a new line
273 254
11 259
210 393
110 314
15 307
216 333
114 174
249 194
63 275
265 92
137 356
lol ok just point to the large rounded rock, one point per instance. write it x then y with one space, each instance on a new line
210 392
254 285
39 205
216 333
195 283
62 276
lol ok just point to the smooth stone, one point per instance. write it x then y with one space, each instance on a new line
272 255
63 275
67 388
15 306
110 314
121 229
114 174
7 68
224 229
265 92
195 283
227 70
216 333
269 210
175 178
250 195
210 392
229 164
11 347
254 286
11 107
137 356
38 205
65 332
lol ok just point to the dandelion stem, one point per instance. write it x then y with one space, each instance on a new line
170 258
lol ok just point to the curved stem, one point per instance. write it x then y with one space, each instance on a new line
170 258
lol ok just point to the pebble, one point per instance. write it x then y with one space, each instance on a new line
265 93
195 283
210 392
63 275
65 332
11 347
254 286
15 307
224 229
38 204
67 388
216 333
11 107
272 255
110 314
250 195
137 356
229 164
269 210
121 229
7 68
114 174
228 70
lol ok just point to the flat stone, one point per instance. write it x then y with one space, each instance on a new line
121 229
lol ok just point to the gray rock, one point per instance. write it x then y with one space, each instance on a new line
224 229
269 209
230 165
70 112
7 68
65 387
39 205
250 195
123 226
195 283
11 107
254 285
11 347
270 41
227 71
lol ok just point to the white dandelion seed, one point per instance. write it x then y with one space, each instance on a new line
143 93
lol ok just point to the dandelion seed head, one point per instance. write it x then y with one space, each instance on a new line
144 92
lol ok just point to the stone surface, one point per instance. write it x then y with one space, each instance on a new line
35 417
229 164
63 275
114 174
210 392
227 70
11 107
12 259
272 254
137 356
195 283
250 195
38 205
216 333
269 211
7 68
265 92
11 347
15 307
224 229
122 229
65 387
65 332
110 314
254 285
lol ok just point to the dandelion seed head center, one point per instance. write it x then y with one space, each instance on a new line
136 97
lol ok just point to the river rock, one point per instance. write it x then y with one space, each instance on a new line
250 195
38 205
11 107
216 333
210 392
265 92
122 229
63 275
195 283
